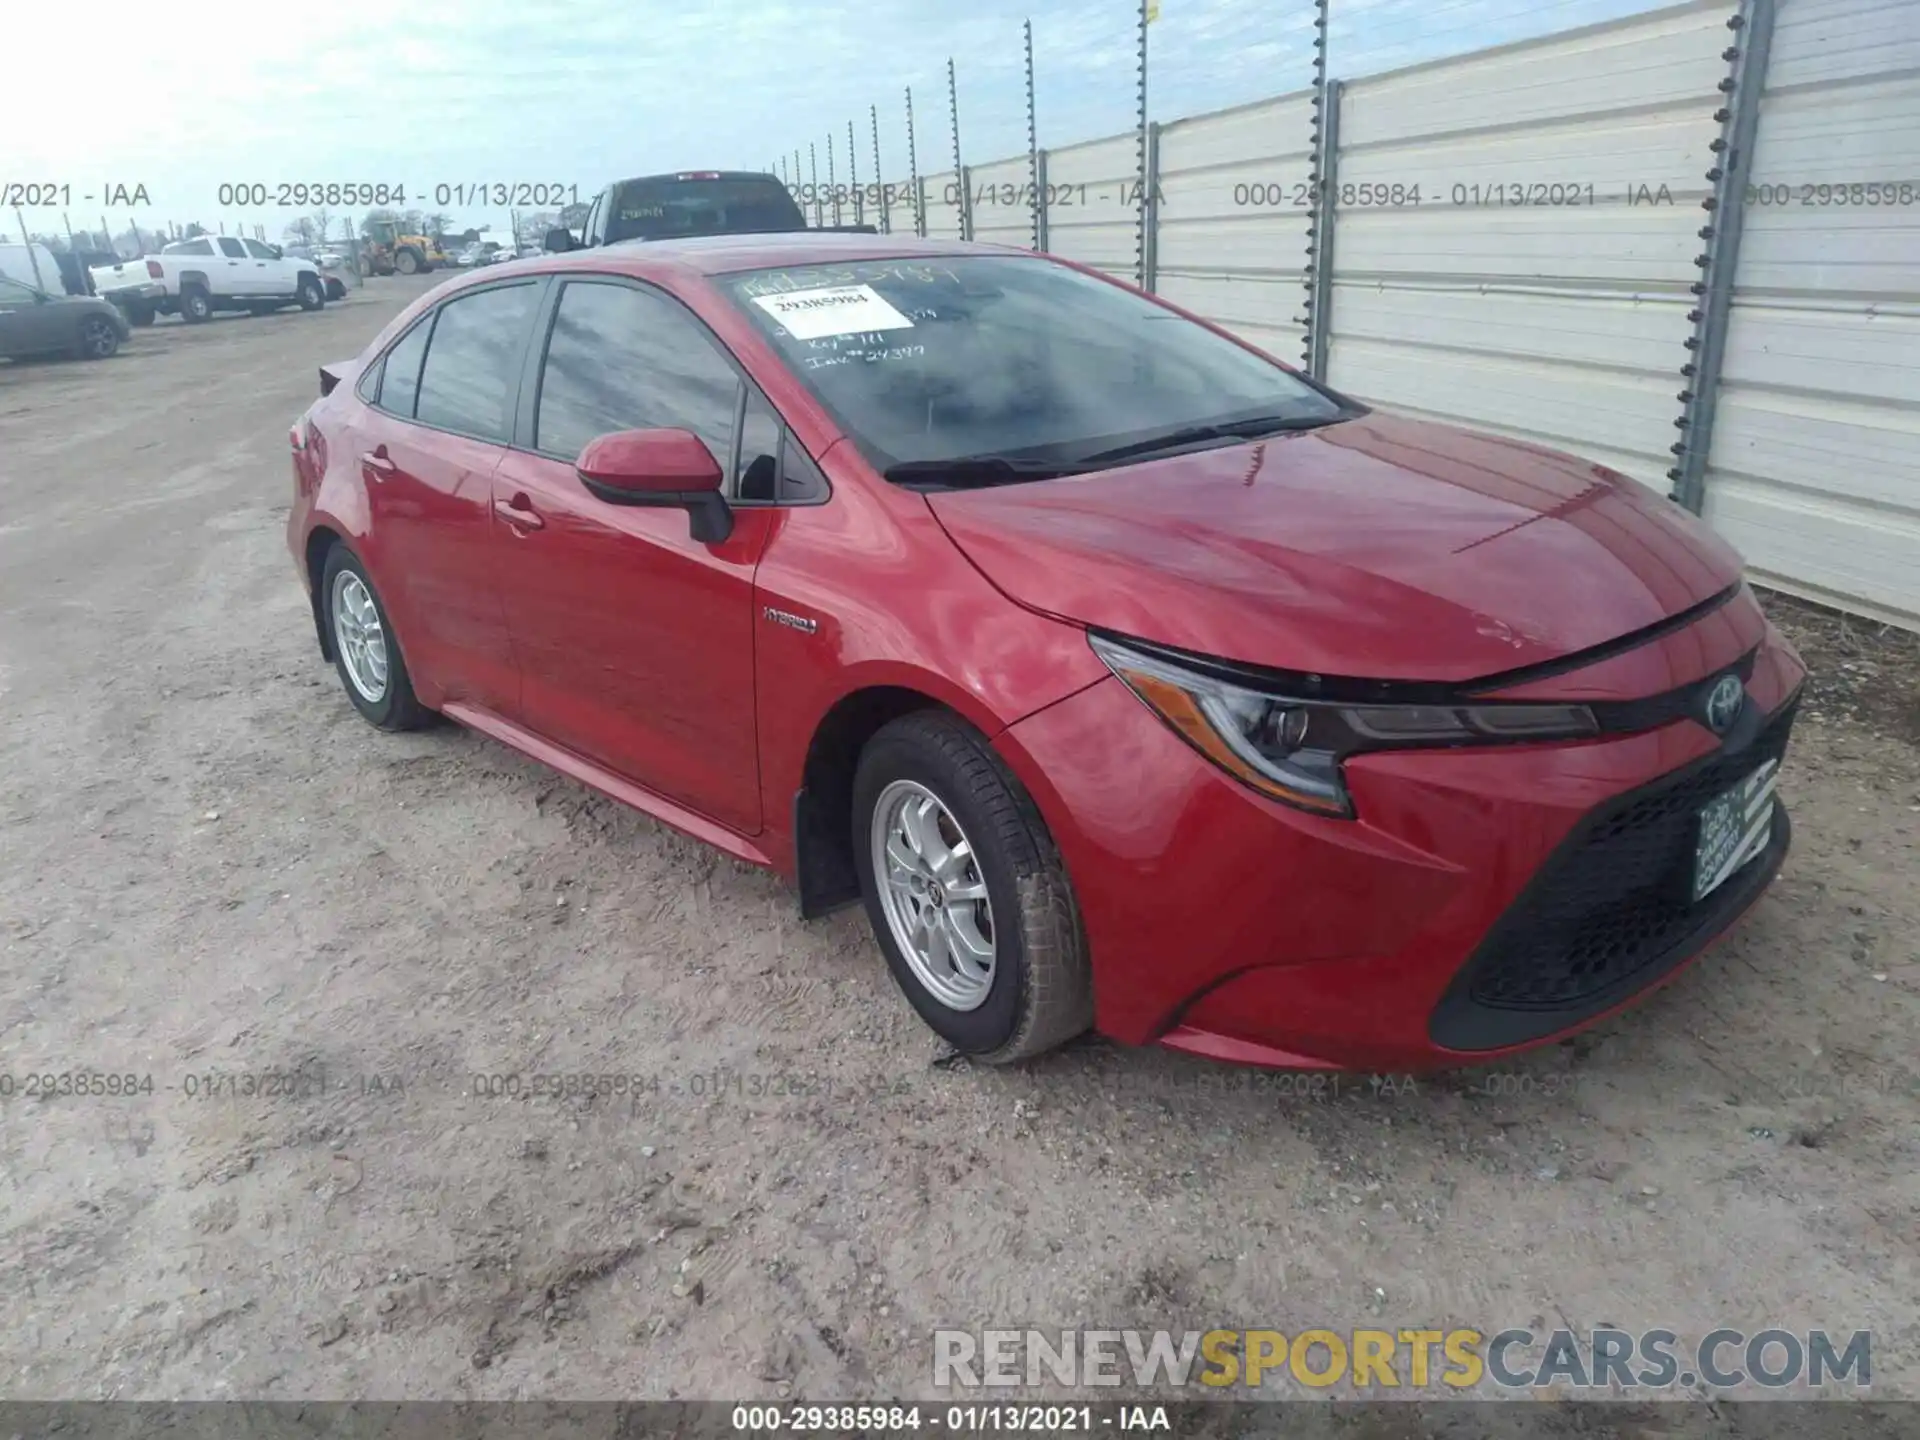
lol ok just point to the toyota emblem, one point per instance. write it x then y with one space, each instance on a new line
1724 702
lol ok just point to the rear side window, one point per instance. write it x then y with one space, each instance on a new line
189 247
467 383
623 358
230 246
400 376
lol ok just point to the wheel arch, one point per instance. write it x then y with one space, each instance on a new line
823 864
320 542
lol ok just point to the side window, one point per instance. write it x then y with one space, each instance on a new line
400 376
232 247
190 247
758 475
622 358
257 250
800 477
467 383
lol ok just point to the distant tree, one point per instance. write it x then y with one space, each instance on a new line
194 230
574 217
322 218
437 224
300 232
380 214
535 225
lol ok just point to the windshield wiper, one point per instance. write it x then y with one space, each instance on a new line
979 470
1251 429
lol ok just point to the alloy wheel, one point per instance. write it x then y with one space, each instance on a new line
933 894
360 636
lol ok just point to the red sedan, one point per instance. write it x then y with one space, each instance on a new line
1130 679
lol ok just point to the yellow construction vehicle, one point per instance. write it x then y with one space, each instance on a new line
389 252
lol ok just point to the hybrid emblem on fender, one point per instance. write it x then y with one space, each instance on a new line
1723 703
791 621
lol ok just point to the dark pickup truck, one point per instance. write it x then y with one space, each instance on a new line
691 202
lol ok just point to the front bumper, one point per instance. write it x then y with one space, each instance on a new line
1444 925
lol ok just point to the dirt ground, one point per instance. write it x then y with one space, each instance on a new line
209 865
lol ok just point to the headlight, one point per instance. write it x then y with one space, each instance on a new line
1291 747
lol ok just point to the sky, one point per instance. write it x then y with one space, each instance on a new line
576 93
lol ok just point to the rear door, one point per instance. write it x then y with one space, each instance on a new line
233 271
635 640
435 425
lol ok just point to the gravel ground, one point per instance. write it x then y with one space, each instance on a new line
210 865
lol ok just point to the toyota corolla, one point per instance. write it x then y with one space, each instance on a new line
1130 679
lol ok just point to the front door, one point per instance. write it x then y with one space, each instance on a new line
635 641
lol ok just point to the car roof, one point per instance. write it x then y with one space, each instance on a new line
726 254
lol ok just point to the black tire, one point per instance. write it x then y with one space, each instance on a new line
1041 991
336 288
408 261
99 339
140 315
312 295
196 306
397 708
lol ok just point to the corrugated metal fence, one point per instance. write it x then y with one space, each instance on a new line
1581 241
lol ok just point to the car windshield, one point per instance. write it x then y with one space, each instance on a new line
1018 365
669 206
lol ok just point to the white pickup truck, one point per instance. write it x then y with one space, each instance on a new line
194 278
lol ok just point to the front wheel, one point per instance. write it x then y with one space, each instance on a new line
365 649
406 262
311 296
99 339
966 892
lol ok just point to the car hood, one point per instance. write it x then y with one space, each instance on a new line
1380 548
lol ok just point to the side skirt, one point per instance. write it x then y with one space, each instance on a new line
606 782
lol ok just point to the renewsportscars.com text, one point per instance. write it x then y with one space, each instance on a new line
1455 1359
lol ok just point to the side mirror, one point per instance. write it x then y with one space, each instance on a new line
663 468
558 242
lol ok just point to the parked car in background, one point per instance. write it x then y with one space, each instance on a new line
688 203
1129 678
37 322
194 278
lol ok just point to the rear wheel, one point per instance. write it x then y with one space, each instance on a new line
196 306
365 649
407 262
311 295
966 892
99 338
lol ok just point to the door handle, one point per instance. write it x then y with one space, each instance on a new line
376 463
519 513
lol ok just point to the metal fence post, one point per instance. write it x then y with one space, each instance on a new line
833 183
813 163
1140 158
1035 205
913 167
1041 239
1726 214
959 171
853 178
1317 186
1320 246
1150 261
879 185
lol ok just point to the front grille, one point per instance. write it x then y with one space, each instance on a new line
1612 909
